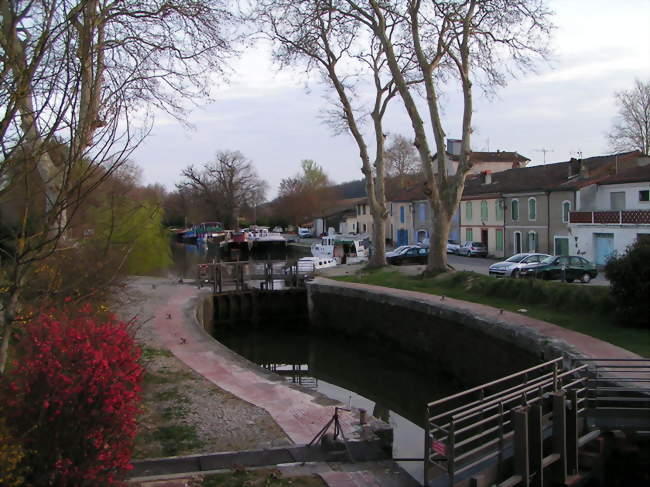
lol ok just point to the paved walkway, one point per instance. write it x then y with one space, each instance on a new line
299 414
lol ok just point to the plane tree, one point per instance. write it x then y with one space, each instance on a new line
350 59
457 44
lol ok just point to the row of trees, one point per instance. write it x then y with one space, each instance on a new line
405 49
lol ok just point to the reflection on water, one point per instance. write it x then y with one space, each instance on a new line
356 373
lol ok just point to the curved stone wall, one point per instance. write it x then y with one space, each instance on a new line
429 330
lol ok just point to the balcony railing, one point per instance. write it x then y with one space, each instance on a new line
624 217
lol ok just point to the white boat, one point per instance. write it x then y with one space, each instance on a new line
310 264
260 239
345 249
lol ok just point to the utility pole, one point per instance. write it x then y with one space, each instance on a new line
544 150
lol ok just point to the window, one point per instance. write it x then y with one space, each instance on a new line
532 209
532 242
499 238
498 210
514 210
566 209
401 214
468 211
617 200
364 228
484 211
644 195
468 234
422 211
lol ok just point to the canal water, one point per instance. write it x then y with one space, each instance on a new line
357 373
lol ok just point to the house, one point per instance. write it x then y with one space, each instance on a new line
482 161
529 207
341 216
612 213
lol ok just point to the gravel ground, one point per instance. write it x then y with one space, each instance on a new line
182 412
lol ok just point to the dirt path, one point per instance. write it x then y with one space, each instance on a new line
183 412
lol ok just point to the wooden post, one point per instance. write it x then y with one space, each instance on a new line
535 444
559 437
520 426
572 433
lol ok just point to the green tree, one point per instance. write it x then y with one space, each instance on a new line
136 230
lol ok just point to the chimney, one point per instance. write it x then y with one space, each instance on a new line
453 146
575 165
486 177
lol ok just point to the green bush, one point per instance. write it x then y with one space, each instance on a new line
629 276
561 296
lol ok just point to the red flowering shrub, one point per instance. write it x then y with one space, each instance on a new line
72 398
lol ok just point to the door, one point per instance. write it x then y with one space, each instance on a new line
617 200
402 237
561 246
517 243
604 247
484 237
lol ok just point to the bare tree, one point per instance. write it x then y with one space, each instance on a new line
631 129
471 41
72 75
320 34
227 183
401 157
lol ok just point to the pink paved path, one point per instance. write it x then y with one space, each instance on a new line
296 412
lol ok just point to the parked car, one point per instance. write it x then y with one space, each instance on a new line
553 267
415 255
399 250
511 266
304 232
453 246
470 249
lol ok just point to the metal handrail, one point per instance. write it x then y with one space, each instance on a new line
489 384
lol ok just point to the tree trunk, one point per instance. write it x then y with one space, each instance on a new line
378 257
7 318
440 223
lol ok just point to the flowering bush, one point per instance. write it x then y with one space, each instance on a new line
72 398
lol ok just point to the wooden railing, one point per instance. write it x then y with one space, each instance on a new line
611 217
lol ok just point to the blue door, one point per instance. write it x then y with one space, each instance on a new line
604 247
402 237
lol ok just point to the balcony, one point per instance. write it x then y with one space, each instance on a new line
624 217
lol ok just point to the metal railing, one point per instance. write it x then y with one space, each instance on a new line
511 418
476 426
618 393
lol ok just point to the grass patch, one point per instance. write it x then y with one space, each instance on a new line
177 438
586 309
258 478
149 353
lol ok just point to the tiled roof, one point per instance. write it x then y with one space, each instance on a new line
631 175
498 156
548 177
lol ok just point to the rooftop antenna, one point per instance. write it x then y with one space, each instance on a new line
544 150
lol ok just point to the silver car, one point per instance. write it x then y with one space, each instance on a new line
511 266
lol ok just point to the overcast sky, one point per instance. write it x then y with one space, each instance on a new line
275 118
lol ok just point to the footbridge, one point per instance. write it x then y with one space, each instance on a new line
541 426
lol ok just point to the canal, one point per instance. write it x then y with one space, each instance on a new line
359 373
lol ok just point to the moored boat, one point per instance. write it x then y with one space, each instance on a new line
345 249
